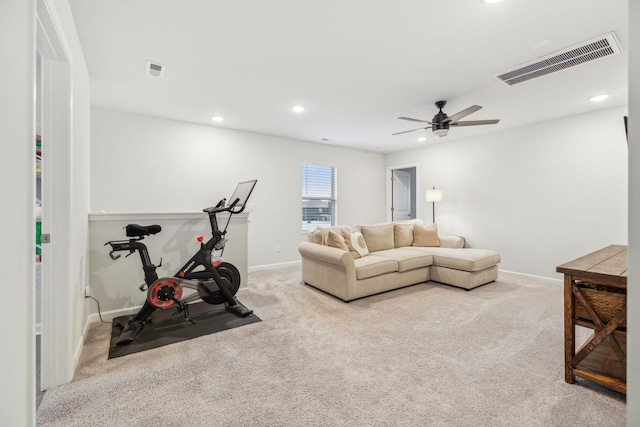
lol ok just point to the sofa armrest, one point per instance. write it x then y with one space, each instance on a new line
325 253
455 242
329 269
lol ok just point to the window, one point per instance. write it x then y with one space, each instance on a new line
318 196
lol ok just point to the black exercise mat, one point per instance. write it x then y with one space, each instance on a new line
164 329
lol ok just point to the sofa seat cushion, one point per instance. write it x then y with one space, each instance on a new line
374 265
467 259
407 258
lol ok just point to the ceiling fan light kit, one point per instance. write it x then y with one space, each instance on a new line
441 123
441 132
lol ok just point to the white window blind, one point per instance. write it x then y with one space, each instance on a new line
318 196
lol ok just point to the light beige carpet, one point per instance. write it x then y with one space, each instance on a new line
426 355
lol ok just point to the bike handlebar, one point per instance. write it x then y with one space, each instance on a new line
130 245
220 207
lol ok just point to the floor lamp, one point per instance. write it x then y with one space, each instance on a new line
433 196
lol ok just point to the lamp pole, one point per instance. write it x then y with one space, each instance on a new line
433 207
434 195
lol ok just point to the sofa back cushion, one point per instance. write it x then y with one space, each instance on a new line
402 234
456 242
425 236
378 237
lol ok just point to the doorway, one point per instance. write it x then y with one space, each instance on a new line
56 347
403 194
38 224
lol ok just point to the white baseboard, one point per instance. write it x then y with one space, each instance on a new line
273 266
78 351
533 276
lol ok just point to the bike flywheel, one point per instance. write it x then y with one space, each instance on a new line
230 278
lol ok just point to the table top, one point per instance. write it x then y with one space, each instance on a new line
608 264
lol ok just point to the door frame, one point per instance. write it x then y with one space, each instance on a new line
57 363
414 184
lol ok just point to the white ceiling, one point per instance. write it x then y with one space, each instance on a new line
356 65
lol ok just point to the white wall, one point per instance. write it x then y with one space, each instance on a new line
541 195
17 165
149 164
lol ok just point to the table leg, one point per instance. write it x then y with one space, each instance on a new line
569 329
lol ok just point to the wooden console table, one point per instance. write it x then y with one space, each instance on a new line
595 297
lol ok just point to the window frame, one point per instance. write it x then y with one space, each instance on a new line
306 225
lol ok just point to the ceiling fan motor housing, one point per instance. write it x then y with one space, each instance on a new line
438 121
439 126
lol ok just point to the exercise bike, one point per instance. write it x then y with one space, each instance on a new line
213 280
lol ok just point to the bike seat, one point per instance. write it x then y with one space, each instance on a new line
135 230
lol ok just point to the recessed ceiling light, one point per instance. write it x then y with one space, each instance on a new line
297 108
599 98
422 138
217 119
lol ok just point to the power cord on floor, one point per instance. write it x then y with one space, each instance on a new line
99 313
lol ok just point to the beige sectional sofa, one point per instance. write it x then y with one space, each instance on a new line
352 262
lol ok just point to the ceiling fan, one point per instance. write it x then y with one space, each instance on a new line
441 122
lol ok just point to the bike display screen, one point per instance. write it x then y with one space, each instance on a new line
242 192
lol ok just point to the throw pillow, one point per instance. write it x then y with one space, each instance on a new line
425 236
403 235
378 237
337 241
316 236
355 244
320 234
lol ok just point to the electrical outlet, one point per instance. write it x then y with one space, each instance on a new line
277 248
87 294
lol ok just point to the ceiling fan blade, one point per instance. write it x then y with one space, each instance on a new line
461 114
414 120
475 122
408 131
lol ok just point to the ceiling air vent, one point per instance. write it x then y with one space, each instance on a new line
154 70
585 52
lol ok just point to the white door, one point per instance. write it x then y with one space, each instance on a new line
401 195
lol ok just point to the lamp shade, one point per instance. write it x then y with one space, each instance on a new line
434 195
